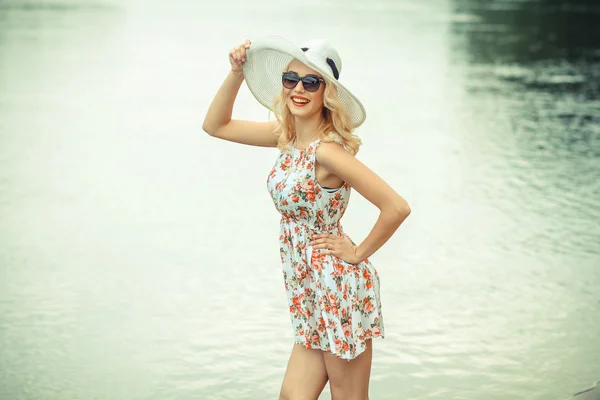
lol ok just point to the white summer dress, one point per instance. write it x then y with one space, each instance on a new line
334 306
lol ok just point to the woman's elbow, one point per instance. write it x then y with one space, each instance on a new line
208 129
402 209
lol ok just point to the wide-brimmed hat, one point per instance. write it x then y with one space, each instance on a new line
268 57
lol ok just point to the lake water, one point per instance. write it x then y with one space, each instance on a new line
139 256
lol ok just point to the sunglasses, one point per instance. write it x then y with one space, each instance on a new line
310 82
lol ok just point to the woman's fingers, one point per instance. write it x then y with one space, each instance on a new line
324 242
318 236
324 246
233 55
237 55
338 246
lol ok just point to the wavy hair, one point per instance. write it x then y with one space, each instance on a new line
336 125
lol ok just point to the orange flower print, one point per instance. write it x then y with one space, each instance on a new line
331 297
338 269
338 344
359 331
303 213
315 339
286 164
369 307
366 274
347 329
307 186
317 261
295 198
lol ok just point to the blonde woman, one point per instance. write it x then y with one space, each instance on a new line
332 288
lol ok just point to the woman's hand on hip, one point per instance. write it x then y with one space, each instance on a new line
339 246
237 57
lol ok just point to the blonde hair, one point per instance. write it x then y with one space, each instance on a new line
336 125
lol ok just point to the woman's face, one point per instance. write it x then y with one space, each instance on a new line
302 103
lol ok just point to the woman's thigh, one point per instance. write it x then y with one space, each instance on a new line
305 376
349 380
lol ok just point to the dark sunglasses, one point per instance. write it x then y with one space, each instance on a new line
310 82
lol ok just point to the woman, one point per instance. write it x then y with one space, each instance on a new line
332 288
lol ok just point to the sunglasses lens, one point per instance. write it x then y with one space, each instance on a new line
290 80
311 83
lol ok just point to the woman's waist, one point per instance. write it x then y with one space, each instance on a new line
316 226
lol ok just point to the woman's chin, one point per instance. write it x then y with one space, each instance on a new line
299 112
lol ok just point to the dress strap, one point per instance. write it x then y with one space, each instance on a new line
333 137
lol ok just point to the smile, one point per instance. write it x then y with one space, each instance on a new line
300 101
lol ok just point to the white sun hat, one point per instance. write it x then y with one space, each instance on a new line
267 58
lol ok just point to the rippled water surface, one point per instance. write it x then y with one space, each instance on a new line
139 257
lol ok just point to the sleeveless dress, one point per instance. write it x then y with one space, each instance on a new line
334 305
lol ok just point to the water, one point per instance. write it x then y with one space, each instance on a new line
138 256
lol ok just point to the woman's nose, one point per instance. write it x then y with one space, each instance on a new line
299 87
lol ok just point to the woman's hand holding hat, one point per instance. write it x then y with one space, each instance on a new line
237 57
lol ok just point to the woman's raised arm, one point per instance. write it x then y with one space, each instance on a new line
218 122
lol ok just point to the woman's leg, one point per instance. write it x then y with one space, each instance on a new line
305 376
349 380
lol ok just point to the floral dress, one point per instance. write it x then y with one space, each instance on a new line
334 305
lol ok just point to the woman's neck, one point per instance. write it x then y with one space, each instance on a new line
307 130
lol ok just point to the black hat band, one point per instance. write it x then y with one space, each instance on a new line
331 63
